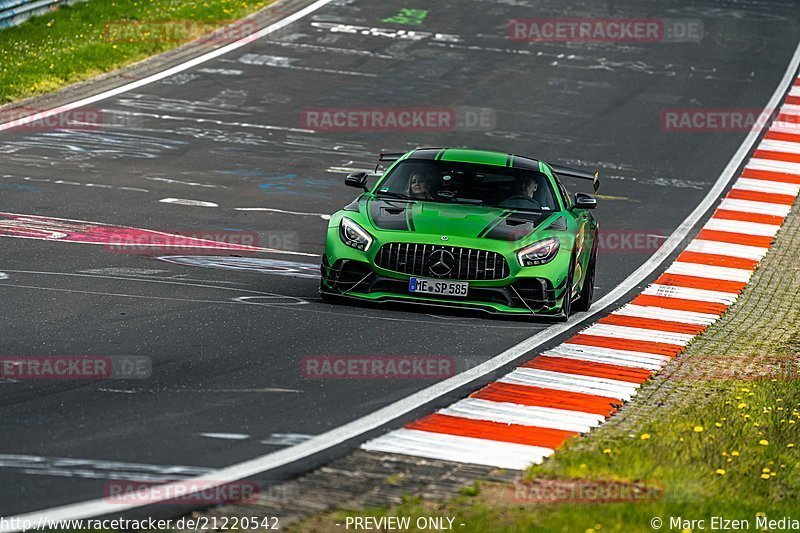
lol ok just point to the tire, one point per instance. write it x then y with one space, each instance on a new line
586 296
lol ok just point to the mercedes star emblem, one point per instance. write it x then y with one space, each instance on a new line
441 262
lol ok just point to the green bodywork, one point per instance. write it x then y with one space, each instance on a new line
426 222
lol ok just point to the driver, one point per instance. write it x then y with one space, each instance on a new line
528 186
421 185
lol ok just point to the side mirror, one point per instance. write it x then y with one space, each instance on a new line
585 201
357 179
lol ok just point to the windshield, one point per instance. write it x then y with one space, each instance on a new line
469 183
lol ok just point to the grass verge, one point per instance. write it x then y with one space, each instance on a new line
715 434
78 42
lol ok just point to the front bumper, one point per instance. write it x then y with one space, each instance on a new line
516 296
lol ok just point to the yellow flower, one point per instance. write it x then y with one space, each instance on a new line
763 442
718 424
735 453
698 429
790 445
681 439
742 405
765 470
764 476
721 471
644 436
607 451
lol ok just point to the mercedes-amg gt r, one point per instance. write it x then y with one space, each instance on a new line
465 228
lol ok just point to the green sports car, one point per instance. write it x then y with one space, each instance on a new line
465 228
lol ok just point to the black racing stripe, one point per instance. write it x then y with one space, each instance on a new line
389 215
525 163
493 223
509 158
410 217
424 153
515 227
441 154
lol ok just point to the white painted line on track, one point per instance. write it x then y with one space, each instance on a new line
524 415
709 271
774 187
774 165
738 226
323 216
534 377
183 201
743 251
784 126
686 293
672 315
787 147
638 334
597 354
226 436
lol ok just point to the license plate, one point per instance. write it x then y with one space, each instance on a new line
437 286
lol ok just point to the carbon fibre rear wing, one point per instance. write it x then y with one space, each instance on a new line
388 156
578 174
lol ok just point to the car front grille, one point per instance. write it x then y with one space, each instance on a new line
445 262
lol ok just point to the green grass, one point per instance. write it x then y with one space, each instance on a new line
78 42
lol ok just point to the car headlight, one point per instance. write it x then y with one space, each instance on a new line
354 235
538 253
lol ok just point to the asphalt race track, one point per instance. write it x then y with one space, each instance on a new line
226 344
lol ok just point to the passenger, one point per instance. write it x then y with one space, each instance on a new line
421 185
